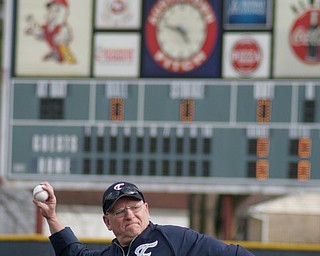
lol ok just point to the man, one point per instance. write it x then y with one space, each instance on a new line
126 214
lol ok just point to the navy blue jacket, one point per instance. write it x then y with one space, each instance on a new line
156 240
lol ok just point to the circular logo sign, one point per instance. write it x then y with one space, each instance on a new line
181 34
305 37
246 56
117 6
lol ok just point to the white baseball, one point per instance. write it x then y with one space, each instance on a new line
40 194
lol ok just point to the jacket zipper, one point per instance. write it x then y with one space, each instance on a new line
128 248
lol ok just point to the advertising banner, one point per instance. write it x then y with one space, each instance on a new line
246 55
118 14
182 38
116 55
296 39
53 38
247 14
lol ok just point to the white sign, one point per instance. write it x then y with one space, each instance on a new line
118 14
117 55
246 55
296 40
53 41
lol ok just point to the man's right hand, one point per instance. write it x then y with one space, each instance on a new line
48 209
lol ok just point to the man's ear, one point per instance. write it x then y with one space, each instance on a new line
147 209
107 222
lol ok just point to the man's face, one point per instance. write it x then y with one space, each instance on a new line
130 224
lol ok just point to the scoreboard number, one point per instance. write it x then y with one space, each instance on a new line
117 109
262 169
187 110
264 111
304 147
304 170
262 147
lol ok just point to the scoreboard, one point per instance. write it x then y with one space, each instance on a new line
257 132
119 112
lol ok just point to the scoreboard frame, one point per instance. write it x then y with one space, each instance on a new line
216 135
257 131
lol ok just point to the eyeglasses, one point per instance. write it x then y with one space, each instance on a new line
119 213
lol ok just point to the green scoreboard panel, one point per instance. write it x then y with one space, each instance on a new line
209 131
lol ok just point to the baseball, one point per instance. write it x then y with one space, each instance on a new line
40 194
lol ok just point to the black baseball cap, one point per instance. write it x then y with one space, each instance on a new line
117 191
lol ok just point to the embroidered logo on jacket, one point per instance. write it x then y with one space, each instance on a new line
141 250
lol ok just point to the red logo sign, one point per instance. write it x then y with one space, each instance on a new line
246 56
117 6
305 37
181 34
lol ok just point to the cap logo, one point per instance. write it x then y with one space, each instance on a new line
118 186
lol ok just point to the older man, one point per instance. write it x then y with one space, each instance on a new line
126 214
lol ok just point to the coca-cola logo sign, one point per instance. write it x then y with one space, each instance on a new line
304 37
246 56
